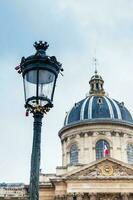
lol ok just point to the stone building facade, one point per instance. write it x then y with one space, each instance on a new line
97 153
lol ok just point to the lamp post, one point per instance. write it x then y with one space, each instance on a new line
39 73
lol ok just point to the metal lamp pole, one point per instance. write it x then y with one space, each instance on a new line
35 157
39 73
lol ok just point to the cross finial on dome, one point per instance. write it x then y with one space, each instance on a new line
96 82
95 64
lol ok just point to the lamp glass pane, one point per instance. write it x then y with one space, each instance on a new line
45 86
39 86
31 76
30 81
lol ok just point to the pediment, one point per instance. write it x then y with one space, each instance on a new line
105 168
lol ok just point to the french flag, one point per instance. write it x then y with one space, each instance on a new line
105 150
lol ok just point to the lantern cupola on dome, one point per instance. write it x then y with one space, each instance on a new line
96 85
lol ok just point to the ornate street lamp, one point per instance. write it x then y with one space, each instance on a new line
39 73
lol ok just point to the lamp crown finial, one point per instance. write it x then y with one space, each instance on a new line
41 45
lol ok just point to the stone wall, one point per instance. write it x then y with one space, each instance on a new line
118 136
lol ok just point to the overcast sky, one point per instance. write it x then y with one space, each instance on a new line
73 29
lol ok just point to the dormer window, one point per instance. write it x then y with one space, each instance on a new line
99 101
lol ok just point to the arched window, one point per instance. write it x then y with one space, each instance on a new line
130 153
102 149
97 86
73 154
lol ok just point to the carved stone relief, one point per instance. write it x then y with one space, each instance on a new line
105 168
94 196
90 133
113 133
82 134
109 197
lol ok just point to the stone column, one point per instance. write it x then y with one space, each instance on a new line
117 147
124 196
86 197
93 196
69 197
91 153
63 197
57 197
79 196
81 146
86 149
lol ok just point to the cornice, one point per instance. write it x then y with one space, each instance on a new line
95 122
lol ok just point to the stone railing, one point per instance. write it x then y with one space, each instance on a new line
13 191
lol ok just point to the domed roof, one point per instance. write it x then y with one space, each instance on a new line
97 106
